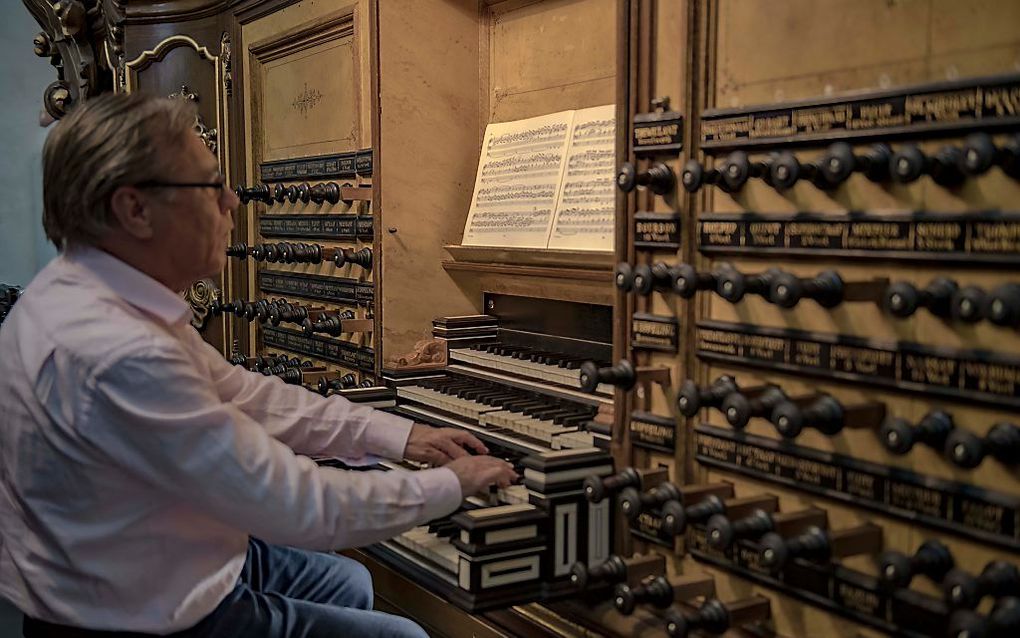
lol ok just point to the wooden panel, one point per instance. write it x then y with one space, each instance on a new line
551 56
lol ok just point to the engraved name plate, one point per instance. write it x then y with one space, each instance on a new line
943 107
980 238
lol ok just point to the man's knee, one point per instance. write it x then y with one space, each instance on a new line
353 582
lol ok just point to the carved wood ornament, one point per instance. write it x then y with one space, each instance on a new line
84 40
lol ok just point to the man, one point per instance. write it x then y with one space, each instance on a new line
135 461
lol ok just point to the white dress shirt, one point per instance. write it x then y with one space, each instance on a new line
135 461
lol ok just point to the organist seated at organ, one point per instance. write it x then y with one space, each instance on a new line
138 465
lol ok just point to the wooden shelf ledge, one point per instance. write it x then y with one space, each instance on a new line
589 265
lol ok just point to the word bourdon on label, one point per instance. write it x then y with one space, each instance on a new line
340 165
337 351
317 226
333 289
948 505
986 237
847 592
654 332
978 376
943 107
657 230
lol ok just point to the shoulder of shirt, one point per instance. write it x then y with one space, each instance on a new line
86 321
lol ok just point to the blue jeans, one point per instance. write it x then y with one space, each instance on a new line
292 593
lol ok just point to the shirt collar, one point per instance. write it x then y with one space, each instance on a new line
132 285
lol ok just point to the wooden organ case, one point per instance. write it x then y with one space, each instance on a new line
785 404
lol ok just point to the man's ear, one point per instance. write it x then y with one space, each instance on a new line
133 214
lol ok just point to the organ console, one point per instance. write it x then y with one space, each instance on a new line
819 545
715 617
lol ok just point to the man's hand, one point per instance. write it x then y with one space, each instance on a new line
439 446
477 473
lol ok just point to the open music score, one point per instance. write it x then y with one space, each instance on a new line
546 182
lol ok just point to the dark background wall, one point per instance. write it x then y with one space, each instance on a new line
23 77
23 248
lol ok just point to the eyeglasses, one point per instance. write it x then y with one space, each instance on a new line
219 184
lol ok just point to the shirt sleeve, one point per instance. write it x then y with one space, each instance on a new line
154 414
307 422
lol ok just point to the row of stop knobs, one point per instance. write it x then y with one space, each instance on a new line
779 538
942 297
329 192
301 253
297 372
640 580
312 319
949 166
791 415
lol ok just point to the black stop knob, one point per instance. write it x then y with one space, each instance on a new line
739 408
691 398
658 276
676 516
967 450
658 178
712 618
902 299
622 375
837 164
633 502
687 281
1003 306
612 570
787 290
908 164
597 488
825 414
694 176
932 559
737 168
238 250
777 551
657 592
732 285
623 276
293 194
721 532
279 193
998 578
786 169
978 154
969 304
899 436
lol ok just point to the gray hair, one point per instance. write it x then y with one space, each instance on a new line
107 142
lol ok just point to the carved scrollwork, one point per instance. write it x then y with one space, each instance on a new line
225 61
200 297
84 40
210 136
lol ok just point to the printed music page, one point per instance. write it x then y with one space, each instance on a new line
518 182
586 208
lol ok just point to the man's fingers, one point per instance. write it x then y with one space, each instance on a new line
450 449
466 439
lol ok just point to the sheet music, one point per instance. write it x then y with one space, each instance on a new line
586 209
518 182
